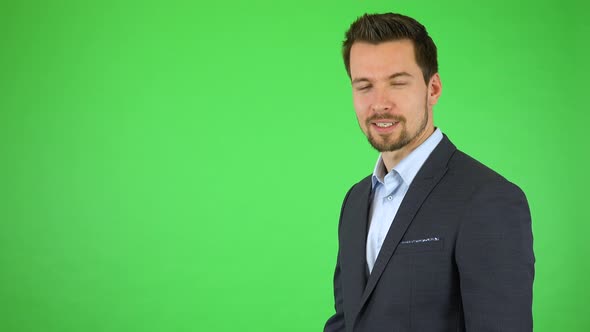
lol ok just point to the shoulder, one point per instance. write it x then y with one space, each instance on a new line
362 185
470 173
466 166
358 190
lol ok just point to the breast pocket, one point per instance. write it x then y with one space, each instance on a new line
411 246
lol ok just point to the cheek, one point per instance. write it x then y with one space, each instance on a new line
361 105
361 114
361 117
413 103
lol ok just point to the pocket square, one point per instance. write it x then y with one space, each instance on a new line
429 239
428 244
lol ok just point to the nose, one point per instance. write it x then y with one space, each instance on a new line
382 102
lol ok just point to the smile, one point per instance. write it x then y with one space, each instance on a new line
384 124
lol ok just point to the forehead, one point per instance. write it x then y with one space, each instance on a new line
383 59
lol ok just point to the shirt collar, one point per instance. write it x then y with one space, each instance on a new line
408 167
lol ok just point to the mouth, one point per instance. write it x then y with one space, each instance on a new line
384 126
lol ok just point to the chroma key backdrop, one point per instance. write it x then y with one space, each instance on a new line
180 165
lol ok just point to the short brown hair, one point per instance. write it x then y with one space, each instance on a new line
379 28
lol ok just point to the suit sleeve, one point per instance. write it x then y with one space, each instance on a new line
336 322
494 254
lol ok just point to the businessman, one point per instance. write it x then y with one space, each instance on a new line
432 240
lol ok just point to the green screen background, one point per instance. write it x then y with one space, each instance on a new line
180 165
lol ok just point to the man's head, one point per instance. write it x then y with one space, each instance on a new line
392 65
379 28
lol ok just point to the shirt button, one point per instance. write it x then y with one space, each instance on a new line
389 198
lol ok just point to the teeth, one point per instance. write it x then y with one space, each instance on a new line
384 125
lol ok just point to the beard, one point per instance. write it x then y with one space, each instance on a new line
387 143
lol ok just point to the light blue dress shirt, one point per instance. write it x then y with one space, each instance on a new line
389 191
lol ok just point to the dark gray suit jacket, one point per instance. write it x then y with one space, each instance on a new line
458 255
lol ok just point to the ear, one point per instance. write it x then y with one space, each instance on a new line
434 89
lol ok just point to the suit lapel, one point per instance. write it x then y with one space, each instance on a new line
427 178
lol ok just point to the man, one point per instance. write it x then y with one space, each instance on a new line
432 240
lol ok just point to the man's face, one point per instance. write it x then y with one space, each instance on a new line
392 102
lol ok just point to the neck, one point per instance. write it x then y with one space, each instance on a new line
392 158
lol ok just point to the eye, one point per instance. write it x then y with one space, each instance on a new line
363 87
398 83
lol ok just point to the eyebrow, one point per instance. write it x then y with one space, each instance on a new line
392 76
